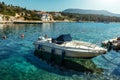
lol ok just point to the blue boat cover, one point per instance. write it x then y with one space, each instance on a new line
64 37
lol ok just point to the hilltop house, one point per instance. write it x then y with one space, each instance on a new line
45 16
57 14
17 17
4 17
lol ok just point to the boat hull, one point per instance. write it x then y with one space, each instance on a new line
68 52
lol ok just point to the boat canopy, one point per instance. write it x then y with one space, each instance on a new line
62 38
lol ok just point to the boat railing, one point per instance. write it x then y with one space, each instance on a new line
65 43
96 46
77 45
89 47
93 46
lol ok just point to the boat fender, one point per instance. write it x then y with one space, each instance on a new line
53 51
62 58
52 56
39 46
63 54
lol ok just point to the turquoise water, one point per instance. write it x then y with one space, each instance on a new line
17 60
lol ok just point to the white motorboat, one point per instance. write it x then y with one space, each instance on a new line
65 46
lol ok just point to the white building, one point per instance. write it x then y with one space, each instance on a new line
57 14
45 17
1 17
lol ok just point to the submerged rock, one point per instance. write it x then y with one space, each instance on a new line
76 64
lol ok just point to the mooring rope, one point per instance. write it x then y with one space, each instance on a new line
110 60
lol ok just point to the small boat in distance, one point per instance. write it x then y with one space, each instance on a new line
65 46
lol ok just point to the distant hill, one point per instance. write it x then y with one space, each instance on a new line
98 12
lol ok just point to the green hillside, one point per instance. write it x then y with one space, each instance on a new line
11 10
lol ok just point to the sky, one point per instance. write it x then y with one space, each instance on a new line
60 5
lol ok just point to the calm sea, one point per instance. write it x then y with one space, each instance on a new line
17 60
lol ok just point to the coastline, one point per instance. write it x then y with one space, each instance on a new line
41 22
30 22
6 22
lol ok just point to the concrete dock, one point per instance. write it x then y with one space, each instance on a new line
5 22
27 22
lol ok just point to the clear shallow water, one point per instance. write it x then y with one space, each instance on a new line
17 61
